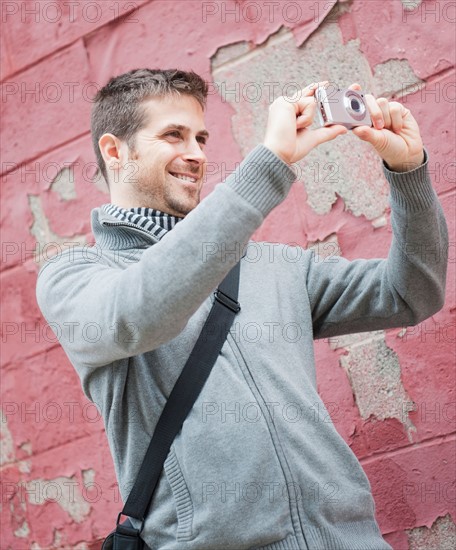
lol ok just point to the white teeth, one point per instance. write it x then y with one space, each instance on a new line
185 178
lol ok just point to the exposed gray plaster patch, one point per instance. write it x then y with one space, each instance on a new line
352 340
347 166
27 447
62 490
13 503
441 536
63 184
228 53
24 466
342 6
44 235
88 476
375 377
23 531
57 538
381 221
7 451
410 4
395 77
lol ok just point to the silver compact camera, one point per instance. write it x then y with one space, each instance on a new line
341 106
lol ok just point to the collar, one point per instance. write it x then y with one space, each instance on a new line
150 219
118 228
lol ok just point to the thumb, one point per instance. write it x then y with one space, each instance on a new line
327 133
371 135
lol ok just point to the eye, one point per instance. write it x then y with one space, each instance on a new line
202 140
174 133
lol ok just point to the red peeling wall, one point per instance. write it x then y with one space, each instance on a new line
57 479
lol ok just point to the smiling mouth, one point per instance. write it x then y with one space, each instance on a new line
181 177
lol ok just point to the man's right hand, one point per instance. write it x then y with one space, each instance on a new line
287 132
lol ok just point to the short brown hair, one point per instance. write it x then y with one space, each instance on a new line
118 108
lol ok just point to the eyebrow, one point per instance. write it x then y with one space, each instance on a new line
183 128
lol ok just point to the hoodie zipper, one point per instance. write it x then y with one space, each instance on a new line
132 226
296 520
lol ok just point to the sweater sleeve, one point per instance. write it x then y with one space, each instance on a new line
402 290
132 310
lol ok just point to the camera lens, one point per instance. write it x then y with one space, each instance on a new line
355 105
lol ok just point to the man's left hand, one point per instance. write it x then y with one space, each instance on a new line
395 134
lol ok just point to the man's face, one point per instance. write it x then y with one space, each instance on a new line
168 165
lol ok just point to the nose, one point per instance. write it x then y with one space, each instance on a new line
194 154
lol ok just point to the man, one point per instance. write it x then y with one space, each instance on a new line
240 474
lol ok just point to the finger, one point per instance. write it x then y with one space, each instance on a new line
375 111
355 86
396 111
308 91
307 116
322 135
363 132
304 106
382 102
376 138
305 96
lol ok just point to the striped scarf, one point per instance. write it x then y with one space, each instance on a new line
155 221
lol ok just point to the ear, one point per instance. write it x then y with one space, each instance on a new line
114 154
110 149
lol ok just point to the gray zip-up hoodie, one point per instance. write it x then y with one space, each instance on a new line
256 464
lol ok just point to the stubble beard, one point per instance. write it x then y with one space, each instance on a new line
160 193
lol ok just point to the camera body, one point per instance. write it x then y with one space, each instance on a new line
341 106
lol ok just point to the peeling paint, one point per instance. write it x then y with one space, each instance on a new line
326 248
228 53
23 531
395 77
43 233
410 4
63 184
88 476
381 221
346 167
442 535
27 447
57 538
62 490
18 508
375 377
25 466
352 340
7 451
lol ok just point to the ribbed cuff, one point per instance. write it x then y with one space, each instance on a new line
411 190
262 179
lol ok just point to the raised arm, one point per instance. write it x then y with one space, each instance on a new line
402 290
409 286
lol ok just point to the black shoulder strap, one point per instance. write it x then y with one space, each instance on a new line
185 392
